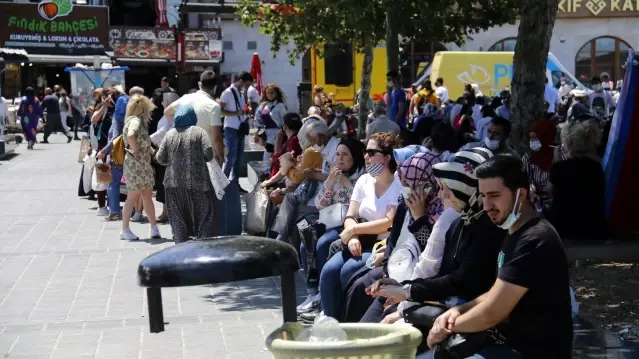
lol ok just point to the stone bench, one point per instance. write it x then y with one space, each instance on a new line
8 144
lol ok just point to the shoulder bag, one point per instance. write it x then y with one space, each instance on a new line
333 215
244 126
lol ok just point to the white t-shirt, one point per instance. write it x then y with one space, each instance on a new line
600 103
551 95
372 208
229 100
208 112
329 154
253 95
442 94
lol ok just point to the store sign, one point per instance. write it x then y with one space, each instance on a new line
54 27
142 43
203 45
598 8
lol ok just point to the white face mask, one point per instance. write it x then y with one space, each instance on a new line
514 215
491 144
375 169
563 83
597 87
318 148
389 83
535 145
406 192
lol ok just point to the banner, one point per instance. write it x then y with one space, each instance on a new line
54 27
142 43
203 44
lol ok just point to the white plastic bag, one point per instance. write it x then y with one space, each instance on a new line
218 179
257 210
87 175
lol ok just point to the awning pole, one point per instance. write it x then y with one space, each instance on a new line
97 81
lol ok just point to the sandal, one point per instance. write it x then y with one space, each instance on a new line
113 217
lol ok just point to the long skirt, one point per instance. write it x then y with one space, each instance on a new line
190 213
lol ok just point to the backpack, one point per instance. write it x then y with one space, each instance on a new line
117 153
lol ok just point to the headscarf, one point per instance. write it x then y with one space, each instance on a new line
419 170
402 154
459 176
29 93
546 131
356 148
185 117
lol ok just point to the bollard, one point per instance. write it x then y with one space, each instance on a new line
218 260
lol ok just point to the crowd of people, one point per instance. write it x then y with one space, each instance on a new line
428 216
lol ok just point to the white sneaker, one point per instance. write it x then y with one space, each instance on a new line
138 217
102 212
154 233
128 235
309 304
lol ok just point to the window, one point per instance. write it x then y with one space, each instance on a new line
507 44
603 54
227 45
338 65
306 66
251 45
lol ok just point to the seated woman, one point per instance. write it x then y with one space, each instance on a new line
337 189
418 209
472 243
578 184
370 215
286 141
538 162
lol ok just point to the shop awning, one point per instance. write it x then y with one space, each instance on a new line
63 59
13 55
140 61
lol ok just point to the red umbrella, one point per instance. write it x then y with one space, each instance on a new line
256 72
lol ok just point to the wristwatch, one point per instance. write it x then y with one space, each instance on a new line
407 290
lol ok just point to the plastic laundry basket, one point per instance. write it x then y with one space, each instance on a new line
366 341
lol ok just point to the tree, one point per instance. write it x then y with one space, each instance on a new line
363 23
536 22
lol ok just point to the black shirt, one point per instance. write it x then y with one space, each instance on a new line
578 198
51 105
540 325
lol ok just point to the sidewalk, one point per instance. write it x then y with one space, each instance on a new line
68 284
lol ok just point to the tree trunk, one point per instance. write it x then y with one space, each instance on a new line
365 89
536 22
392 40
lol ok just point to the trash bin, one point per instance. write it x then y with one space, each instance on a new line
218 260
365 341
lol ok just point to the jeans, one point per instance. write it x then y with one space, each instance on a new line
492 352
234 143
334 278
228 211
113 192
323 246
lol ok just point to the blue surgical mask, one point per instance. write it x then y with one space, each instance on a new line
491 144
514 215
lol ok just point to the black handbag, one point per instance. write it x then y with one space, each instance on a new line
463 345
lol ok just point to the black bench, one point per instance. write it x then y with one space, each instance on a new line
218 260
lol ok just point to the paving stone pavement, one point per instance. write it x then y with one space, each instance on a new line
68 284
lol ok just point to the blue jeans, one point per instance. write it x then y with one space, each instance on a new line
234 143
321 255
228 212
334 278
492 352
113 192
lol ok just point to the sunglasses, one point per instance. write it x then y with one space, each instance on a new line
371 152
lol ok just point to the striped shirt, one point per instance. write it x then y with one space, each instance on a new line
537 177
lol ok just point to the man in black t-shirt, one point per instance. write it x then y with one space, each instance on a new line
53 123
529 304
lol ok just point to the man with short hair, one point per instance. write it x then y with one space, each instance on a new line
233 105
504 109
381 123
136 90
600 101
397 99
497 133
51 105
441 91
164 83
208 112
529 303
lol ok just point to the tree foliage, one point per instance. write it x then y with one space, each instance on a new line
306 23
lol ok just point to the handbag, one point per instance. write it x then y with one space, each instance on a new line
310 231
463 345
85 144
405 255
333 215
103 173
257 209
218 179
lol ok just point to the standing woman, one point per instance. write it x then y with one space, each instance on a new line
163 126
538 162
270 116
29 114
185 150
137 164
100 126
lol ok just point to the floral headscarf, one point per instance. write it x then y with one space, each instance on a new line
418 170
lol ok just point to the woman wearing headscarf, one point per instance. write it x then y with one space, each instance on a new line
29 114
185 151
473 242
538 162
418 209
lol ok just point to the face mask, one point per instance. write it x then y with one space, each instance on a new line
535 145
318 148
389 83
596 87
491 144
513 216
375 169
563 83
405 192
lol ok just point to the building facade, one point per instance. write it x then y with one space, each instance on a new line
589 37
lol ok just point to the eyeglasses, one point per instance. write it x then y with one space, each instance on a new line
371 152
